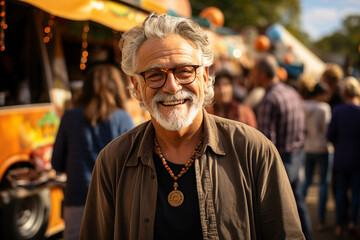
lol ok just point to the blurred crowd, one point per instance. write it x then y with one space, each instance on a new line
314 123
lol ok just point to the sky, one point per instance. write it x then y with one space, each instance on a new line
322 17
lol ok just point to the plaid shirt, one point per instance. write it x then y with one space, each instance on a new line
281 118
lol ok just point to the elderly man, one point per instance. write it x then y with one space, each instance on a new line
185 174
281 118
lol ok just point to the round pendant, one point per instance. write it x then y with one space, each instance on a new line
175 198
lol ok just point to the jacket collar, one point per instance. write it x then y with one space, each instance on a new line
211 134
146 146
145 133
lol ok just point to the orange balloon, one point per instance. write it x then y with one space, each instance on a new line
214 15
262 43
288 59
180 7
282 74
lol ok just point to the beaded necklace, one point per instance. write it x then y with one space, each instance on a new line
176 197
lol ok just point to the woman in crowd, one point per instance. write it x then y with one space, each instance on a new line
225 104
317 115
344 133
97 118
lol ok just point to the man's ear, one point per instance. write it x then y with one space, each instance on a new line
206 79
136 85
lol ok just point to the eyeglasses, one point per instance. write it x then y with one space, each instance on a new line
156 78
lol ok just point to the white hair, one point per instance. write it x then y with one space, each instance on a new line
350 88
158 27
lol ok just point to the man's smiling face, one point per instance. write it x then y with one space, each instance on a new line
173 106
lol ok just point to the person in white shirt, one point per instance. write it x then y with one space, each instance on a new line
318 116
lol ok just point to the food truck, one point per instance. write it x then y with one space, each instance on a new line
30 192
44 49
34 85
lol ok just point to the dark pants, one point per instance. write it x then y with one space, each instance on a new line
343 181
292 163
324 161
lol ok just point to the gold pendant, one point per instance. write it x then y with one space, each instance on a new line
175 197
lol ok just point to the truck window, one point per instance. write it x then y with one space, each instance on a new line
22 79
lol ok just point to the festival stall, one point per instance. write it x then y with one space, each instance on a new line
292 54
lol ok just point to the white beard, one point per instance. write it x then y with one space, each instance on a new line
178 118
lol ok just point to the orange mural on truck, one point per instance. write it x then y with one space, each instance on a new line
27 137
23 130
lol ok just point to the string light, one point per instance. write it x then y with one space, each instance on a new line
48 29
116 38
3 25
84 45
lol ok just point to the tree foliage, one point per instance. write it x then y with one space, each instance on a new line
260 13
345 41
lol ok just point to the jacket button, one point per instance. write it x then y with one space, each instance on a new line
207 222
147 220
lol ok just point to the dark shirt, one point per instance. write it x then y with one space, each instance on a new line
280 116
77 146
182 222
344 133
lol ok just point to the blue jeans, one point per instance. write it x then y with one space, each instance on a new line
342 182
325 165
292 163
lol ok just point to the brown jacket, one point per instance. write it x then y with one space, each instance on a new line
243 189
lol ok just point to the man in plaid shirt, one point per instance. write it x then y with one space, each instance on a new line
280 117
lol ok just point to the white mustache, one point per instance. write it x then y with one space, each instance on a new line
183 94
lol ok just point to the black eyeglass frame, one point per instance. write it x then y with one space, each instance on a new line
166 70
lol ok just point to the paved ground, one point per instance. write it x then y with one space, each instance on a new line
312 203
